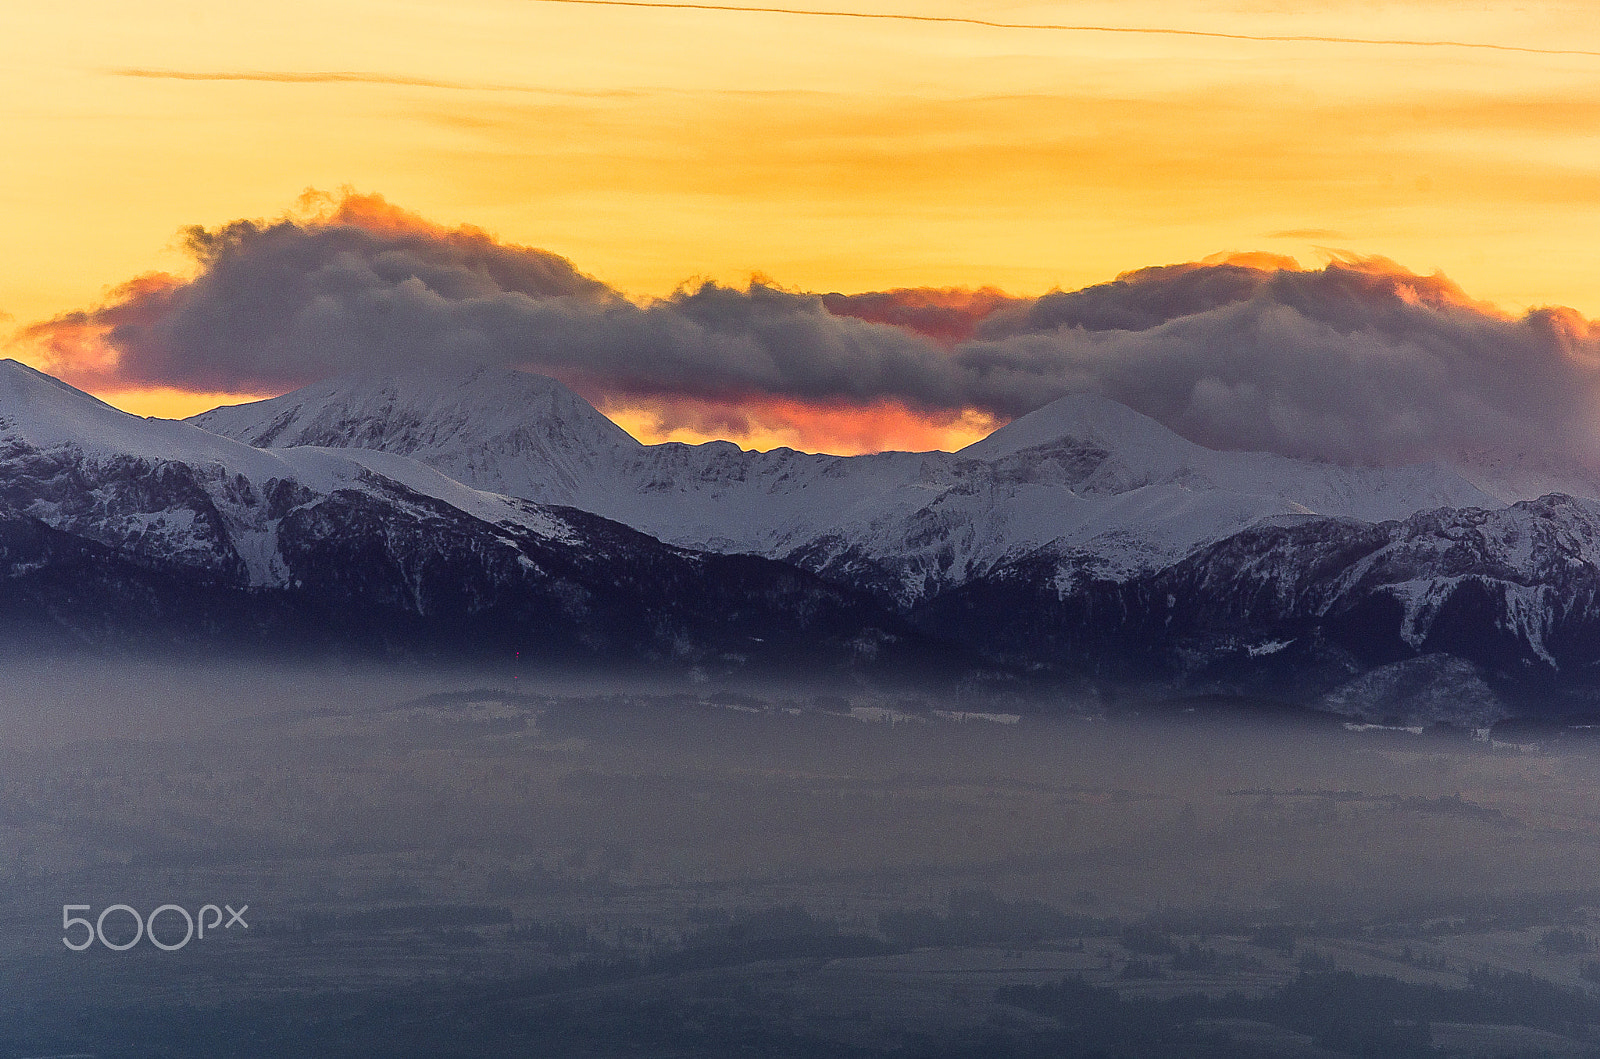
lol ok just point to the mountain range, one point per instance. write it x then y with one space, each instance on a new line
151 533
483 513
1089 481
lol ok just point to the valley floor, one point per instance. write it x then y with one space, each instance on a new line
458 863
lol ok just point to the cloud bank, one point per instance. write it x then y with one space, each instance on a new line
1358 361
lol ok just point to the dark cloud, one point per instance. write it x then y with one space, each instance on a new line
367 286
1413 383
1358 361
947 316
278 305
1136 301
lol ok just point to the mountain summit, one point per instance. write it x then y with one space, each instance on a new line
1083 477
505 431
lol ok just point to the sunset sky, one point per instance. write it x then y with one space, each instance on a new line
653 147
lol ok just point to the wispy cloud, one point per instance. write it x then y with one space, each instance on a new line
1307 233
1062 27
337 77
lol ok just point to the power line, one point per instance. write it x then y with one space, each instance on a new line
1269 38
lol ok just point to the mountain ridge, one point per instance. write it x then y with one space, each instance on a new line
1081 474
371 551
1089 549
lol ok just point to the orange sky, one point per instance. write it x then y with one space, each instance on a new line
654 146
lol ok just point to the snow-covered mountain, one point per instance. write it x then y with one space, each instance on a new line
117 528
1083 538
1103 488
1505 599
1527 475
504 431
1081 542
171 491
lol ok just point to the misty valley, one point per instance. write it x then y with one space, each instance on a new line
496 862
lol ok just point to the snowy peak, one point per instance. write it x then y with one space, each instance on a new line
42 413
1087 420
504 431
1138 452
168 491
416 413
45 412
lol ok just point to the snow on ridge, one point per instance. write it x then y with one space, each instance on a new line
344 467
417 412
1109 500
1087 418
47 426
1082 472
1517 476
42 413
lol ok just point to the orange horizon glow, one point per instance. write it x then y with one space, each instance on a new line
758 423
165 402
763 422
